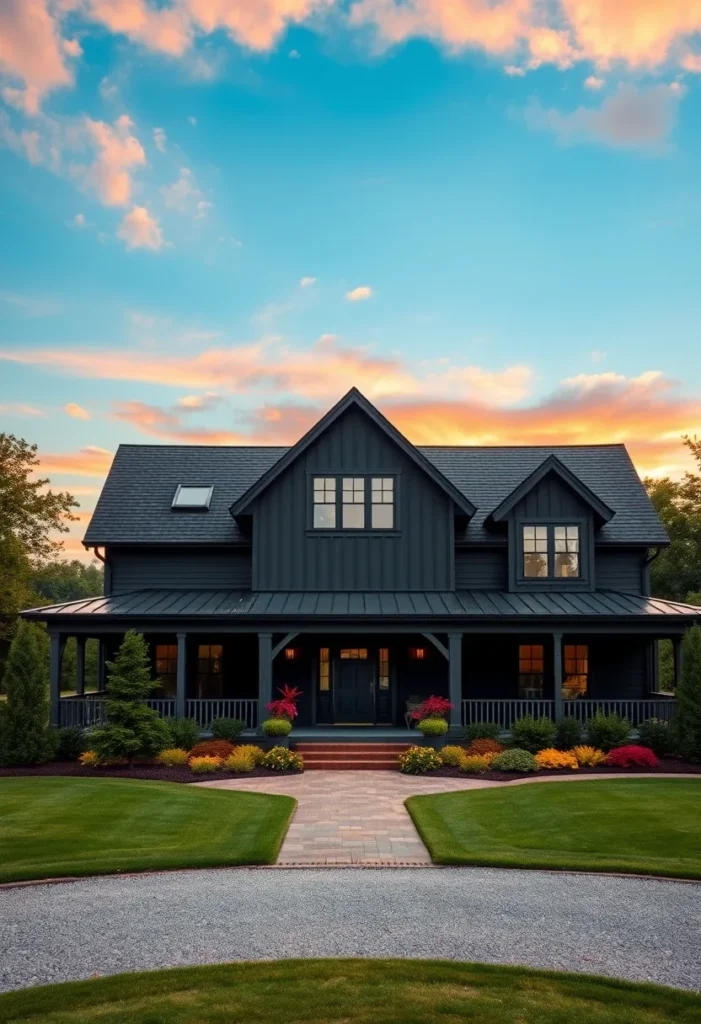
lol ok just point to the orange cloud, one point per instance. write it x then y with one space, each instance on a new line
139 230
118 152
89 461
77 412
359 294
31 51
166 29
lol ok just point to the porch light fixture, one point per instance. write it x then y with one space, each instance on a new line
417 653
290 653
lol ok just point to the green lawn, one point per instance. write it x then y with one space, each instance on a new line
646 826
65 826
351 992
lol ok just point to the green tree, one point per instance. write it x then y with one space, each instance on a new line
687 723
57 580
133 729
24 730
676 573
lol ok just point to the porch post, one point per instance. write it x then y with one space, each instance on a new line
181 676
55 651
557 676
80 665
455 678
265 673
101 664
678 659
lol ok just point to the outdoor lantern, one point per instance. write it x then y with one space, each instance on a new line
417 653
290 653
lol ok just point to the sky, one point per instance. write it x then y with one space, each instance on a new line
216 216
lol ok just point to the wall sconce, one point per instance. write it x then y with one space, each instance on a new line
290 653
417 653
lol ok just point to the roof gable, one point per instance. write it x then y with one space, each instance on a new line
352 399
552 466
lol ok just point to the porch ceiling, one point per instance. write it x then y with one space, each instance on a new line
455 605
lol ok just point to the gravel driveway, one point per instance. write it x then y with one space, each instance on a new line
642 929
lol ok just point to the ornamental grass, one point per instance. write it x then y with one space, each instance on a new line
589 757
452 756
174 757
477 762
257 753
552 758
205 765
240 761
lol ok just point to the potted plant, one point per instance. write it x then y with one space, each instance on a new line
431 720
283 711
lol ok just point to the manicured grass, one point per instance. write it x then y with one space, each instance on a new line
66 826
642 826
351 992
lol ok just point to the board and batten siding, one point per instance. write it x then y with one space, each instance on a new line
621 569
289 555
205 568
481 569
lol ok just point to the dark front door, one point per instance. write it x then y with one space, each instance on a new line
353 690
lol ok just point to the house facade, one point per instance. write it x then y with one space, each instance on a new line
371 573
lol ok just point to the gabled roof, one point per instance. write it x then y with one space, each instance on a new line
552 466
349 400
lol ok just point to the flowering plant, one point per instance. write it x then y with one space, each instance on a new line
477 762
280 759
552 758
285 706
432 707
588 757
172 757
417 760
452 755
204 765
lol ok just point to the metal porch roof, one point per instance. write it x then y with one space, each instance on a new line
470 604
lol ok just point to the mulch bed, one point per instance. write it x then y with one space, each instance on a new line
667 766
137 771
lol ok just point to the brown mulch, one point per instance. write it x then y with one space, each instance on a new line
137 771
667 766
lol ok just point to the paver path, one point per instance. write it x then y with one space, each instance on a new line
359 817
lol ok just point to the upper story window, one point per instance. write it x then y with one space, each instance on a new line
324 502
353 503
193 498
551 552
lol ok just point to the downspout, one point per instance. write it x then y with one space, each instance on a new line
107 588
654 679
651 557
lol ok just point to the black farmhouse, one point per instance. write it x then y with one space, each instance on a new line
371 573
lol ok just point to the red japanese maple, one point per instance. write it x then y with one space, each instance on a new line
433 707
632 756
285 706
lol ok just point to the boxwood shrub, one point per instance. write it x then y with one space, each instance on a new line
607 731
514 760
534 734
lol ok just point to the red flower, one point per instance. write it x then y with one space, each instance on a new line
632 756
433 707
286 706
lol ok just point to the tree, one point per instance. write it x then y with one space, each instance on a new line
133 729
676 573
24 731
57 580
687 722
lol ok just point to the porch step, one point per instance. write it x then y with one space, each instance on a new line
351 756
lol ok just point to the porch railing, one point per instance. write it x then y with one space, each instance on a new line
203 711
505 712
88 711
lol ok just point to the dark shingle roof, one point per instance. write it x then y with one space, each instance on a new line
470 604
135 504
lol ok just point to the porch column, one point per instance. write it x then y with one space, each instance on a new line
557 676
678 659
55 652
455 678
80 665
181 676
265 673
101 664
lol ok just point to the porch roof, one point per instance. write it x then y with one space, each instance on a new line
456 605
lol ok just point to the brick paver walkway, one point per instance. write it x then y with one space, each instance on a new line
359 817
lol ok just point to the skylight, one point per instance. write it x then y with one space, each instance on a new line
192 497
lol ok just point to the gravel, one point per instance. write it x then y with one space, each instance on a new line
635 928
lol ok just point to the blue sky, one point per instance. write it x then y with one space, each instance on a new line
216 216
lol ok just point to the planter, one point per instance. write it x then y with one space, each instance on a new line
268 742
437 742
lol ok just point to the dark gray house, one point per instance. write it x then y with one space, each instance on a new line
372 573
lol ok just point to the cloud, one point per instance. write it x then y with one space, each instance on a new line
139 230
19 409
31 305
594 83
306 282
118 152
159 139
631 118
89 461
185 197
31 51
359 294
79 221
77 412
163 29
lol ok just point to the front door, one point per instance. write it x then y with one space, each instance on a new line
354 692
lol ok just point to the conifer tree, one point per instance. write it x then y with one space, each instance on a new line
24 730
688 693
133 729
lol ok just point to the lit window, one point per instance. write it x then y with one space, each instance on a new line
290 653
209 671
353 502
354 653
324 669
417 653
382 503
324 502
192 497
566 551
576 679
535 551
384 668
167 667
530 671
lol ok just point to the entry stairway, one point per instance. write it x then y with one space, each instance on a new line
351 756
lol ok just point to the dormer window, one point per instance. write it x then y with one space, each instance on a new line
353 503
550 551
192 498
